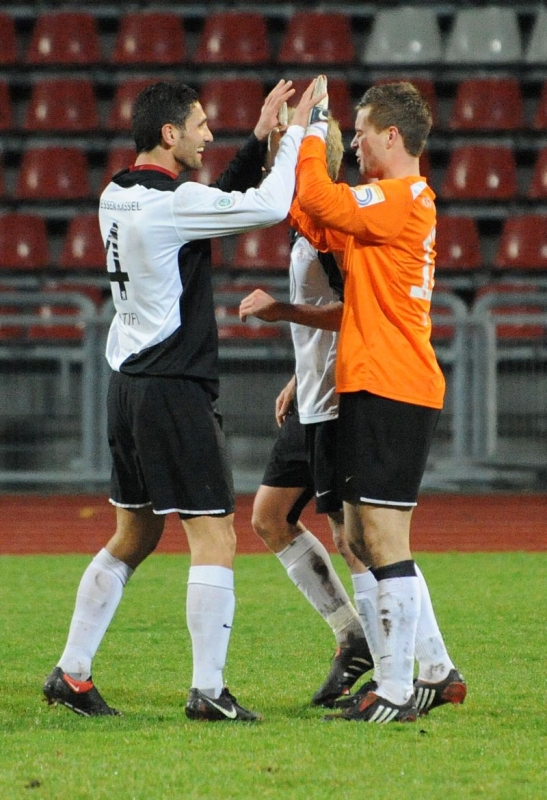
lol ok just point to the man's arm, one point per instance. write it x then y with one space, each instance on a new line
265 307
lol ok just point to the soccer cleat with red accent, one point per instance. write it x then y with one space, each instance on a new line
82 697
452 689
374 708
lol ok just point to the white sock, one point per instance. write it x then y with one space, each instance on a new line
98 597
210 607
365 588
309 567
434 663
398 611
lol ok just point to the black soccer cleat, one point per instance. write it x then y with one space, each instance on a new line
217 709
82 697
374 708
350 700
348 664
452 689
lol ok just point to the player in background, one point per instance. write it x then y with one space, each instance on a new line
390 384
164 429
303 460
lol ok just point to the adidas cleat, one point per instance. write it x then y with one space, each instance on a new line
350 700
82 697
430 695
217 709
374 708
348 664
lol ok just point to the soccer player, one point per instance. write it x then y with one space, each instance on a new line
303 460
164 429
390 384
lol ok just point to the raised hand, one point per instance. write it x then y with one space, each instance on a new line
268 119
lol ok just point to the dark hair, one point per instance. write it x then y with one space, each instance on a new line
399 104
157 105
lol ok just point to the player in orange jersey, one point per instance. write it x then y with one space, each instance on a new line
390 384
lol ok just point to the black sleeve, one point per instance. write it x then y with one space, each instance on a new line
245 168
336 282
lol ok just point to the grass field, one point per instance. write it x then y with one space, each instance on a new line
491 608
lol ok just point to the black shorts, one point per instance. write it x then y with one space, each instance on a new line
305 455
167 446
383 447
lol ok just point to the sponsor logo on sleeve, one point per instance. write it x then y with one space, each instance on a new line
223 203
368 195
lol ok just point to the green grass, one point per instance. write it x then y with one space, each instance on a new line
491 608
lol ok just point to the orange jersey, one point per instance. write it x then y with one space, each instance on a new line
387 232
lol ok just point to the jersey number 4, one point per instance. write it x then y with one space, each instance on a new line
424 291
113 266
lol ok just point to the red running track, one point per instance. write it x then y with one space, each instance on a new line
83 524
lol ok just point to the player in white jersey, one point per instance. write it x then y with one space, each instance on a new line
303 459
164 430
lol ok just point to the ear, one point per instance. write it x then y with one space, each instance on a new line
168 133
392 136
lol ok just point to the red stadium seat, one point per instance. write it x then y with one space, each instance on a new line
6 110
340 101
8 51
23 242
83 246
233 38
232 104
62 105
119 158
523 243
54 173
150 38
215 160
487 104
540 116
480 172
64 37
457 244
538 184
119 118
315 37
524 324
264 248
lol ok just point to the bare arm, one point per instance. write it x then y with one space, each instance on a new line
263 306
284 402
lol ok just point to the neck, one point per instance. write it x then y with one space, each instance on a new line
158 157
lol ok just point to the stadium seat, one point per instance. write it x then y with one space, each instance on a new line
6 110
8 51
488 35
536 51
487 104
23 242
540 116
83 246
215 160
53 173
457 244
64 37
62 105
538 185
523 243
405 35
118 158
480 172
150 38
264 248
232 104
314 37
121 110
233 38
523 324
340 100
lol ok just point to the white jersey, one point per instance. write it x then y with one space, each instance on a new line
156 231
315 350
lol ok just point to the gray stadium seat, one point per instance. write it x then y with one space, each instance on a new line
484 35
404 35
